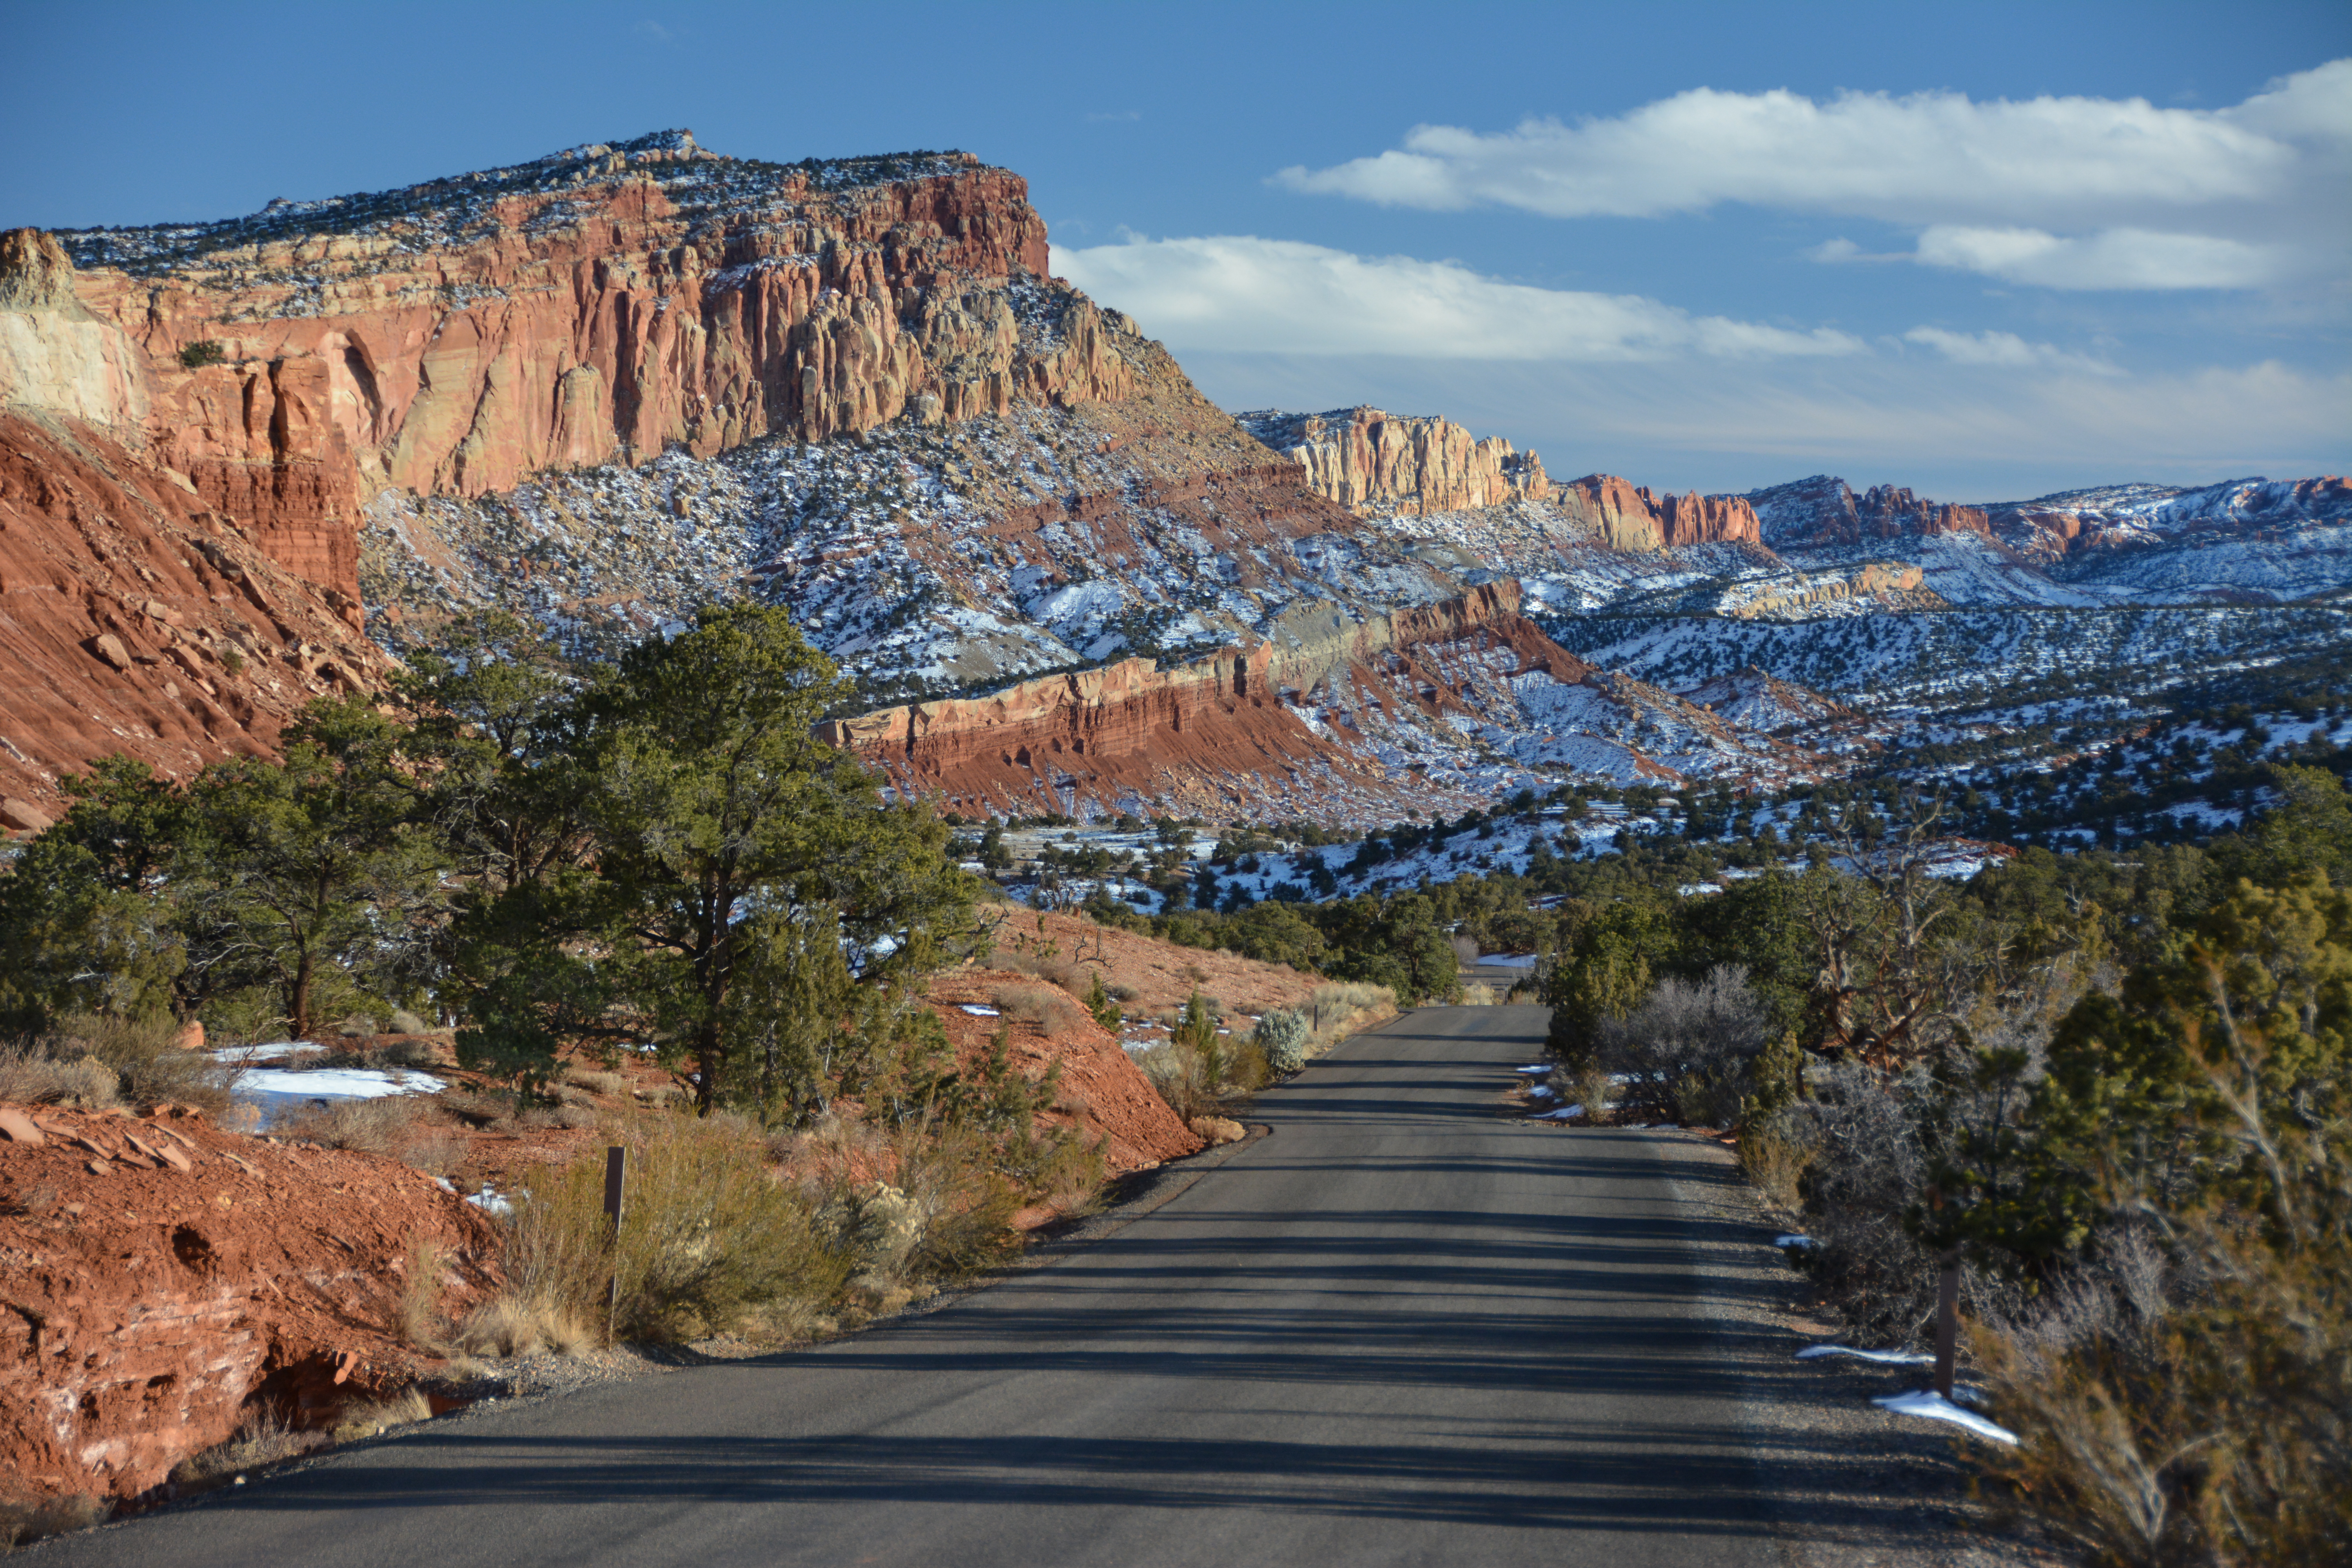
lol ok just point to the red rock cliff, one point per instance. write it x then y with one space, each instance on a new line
1629 517
458 336
1372 462
1216 736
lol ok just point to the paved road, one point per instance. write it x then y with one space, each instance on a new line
1399 1329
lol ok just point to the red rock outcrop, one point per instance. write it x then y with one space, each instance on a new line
1824 510
1105 1096
165 1277
1629 517
1211 736
1374 462
458 336
140 619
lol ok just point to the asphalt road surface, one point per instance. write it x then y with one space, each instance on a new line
1401 1328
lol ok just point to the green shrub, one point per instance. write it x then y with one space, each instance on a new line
196 355
1283 1035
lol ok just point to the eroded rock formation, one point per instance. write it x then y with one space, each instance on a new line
1824 510
166 1278
596 305
1373 462
1282 724
1630 517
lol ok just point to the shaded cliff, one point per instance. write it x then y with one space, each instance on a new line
1826 510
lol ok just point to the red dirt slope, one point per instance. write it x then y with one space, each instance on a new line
158 1275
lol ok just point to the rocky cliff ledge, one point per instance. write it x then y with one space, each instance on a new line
595 305
1380 465
1277 727
1826 510
1375 463
1629 517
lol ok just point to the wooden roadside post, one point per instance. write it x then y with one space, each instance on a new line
1947 1306
617 1164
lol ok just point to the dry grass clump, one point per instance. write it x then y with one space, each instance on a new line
1339 1009
262 1439
382 1126
1478 993
413 1129
93 1062
28 1076
1775 1151
376 1417
417 1309
1050 1007
709 1237
512 1325
597 1082
37 1518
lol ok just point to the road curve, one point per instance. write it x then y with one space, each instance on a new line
1403 1329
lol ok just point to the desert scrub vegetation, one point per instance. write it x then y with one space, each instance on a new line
92 1061
710 1241
1200 1071
2116 1099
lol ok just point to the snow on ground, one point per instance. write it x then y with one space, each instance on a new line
1933 1407
274 1092
1886 1358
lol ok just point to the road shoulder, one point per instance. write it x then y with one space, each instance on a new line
1853 1486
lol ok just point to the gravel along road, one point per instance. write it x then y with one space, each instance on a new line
1405 1328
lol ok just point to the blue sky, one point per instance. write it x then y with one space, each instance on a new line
1987 251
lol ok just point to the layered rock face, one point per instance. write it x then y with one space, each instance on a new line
1282 726
1824 510
1629 517
166 1278
2077 523
140 619
264 381
1372 462
596 305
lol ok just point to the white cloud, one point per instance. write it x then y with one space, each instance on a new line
2112 259
1238 293
2129 195
1996 348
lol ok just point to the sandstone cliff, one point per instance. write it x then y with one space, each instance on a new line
1373 462
1305 725
143 615
1629 517
1824 510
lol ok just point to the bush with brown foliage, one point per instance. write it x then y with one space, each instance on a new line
93 1062
709 1239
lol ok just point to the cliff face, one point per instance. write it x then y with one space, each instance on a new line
1629 517
1824 510
1372 462
138 618
1287 727
596 305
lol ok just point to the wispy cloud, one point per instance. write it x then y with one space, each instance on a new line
1122 115
2005 349
1242 292
2069 193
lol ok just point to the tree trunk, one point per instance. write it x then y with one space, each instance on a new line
298 1000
